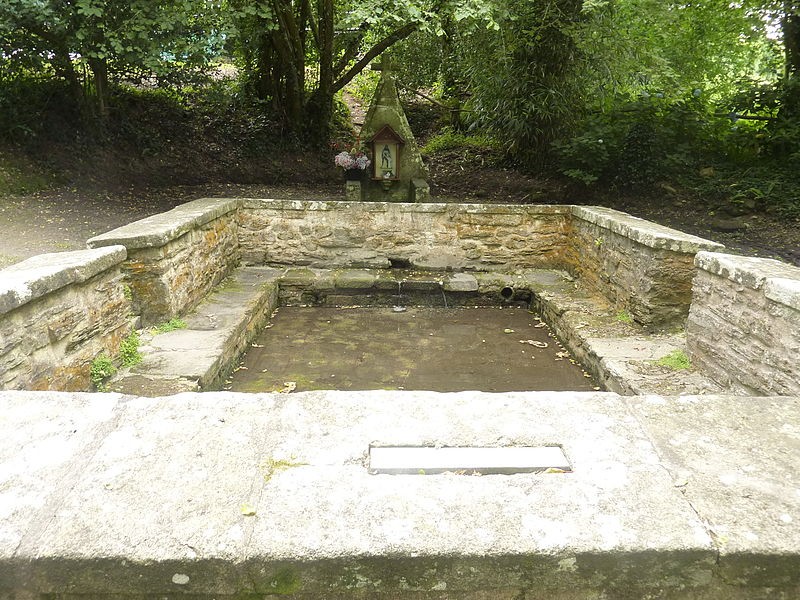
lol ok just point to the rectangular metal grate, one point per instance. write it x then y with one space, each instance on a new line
425 460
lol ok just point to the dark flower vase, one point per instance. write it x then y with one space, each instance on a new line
353 174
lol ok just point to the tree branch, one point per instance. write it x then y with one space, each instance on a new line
351 49
376 50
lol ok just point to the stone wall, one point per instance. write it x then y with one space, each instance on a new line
57 313
379 234
176 257
642 268
744 324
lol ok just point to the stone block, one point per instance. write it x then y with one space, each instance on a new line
355 279
460 282
352 191
40 275
75 308
420 191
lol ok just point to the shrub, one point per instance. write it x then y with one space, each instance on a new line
452 140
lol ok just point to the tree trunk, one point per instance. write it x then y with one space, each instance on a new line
791 41
791 38
320 106
99 69
286 41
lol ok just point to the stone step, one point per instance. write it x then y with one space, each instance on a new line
217 332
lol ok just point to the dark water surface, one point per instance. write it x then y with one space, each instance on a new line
421 348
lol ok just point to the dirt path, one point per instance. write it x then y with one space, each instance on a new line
63 219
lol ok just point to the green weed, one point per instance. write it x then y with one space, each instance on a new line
676 360
170 325
129 350
624 316
101 369
452 140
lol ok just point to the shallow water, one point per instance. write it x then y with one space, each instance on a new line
421 348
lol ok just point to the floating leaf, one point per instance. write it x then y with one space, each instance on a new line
247 510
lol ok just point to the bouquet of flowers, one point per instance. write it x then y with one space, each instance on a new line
352 160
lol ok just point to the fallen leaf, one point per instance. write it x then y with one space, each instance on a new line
288 386
535 343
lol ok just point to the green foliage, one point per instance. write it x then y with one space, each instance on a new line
768 185
676 360
129 350
523 76
89 43
642 141
171 325
453 140
101 369
363 86
624 316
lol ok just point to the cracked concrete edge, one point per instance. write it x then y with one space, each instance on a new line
39 275
645 232
157 230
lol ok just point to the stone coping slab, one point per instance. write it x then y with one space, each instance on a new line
37 276
644 232
223 494
780 281
158 230
403 207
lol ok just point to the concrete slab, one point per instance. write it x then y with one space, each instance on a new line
645 232
736 461
231 494
156 230
46 441
40 275
159 502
